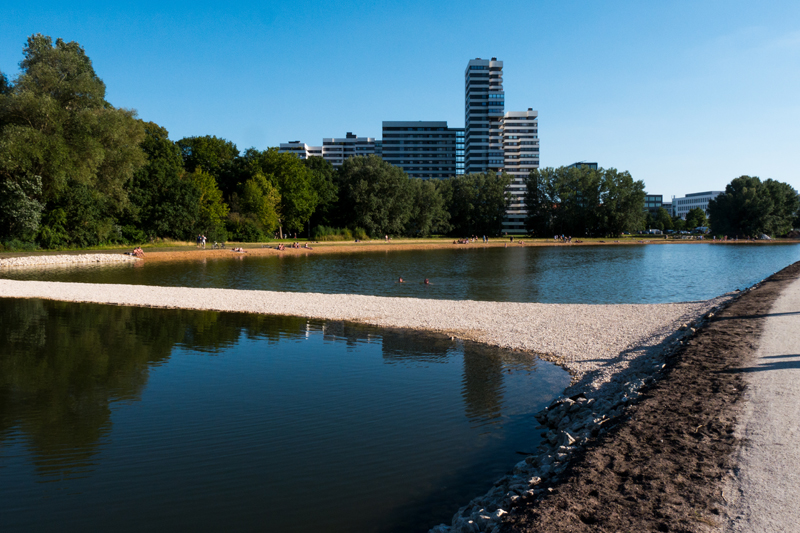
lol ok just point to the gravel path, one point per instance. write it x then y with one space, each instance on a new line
765 493
594 342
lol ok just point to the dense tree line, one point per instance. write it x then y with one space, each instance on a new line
750 207
583 202
77 171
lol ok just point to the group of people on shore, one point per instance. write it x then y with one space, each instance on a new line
468 240
137 252
282 247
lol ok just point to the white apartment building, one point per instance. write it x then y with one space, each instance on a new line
520 134
681 206
334 150
300 149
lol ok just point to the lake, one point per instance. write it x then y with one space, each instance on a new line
553 274
132 419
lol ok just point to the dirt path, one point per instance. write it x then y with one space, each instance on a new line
664 466
765 492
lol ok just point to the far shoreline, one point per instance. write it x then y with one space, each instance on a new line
191 252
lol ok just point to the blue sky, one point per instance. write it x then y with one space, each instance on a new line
685 95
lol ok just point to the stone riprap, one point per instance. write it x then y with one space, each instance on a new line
45 260
612 351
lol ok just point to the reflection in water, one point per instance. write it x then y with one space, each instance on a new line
119 409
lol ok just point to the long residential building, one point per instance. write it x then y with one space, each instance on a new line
423 149
335 150
682 206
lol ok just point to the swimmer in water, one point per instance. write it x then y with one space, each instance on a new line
427 282
400 280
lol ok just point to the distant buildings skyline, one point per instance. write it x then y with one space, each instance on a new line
491 140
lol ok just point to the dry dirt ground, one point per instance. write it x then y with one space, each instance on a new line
663 467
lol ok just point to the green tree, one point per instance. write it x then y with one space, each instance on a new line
295 183
20 212
374 195
678 224
163 204
56 124
752 207
696 218
324 182
477 203
661 220
214 155
622 202
212 210
261 199
583 201
428 214
541 201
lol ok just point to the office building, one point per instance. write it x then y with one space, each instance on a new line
653 202
423 149
520 134
583 164
692 201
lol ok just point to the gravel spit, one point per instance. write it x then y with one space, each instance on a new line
593 342
41 260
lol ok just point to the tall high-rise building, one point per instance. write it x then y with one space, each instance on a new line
484 102
423 149
520 132
498 141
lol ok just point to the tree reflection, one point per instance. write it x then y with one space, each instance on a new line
62 365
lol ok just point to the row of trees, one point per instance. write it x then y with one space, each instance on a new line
77 171
583 202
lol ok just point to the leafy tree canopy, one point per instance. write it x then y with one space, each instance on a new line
163 203
212 154
294 181
374 195
696 218
583 201
428 213
477 203
752 207
56 125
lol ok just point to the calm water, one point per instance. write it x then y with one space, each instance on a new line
558 274
127 419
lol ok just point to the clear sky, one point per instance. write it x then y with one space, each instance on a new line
685 95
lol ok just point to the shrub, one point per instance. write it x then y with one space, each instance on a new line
324 233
